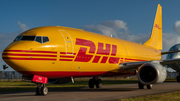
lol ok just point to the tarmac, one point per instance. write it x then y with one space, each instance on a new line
106 93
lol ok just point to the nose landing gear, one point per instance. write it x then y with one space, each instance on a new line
41 89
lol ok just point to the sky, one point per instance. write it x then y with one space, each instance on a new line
127 19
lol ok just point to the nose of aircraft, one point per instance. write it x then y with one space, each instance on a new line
13 55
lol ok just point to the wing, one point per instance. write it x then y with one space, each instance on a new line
134 65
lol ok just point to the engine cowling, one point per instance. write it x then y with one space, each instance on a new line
59 80
150 73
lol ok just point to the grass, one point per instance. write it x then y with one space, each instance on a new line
159 97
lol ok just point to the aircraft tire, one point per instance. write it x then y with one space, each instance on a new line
178 79
99 83
140 85
149 86
38 91
91 83
44 90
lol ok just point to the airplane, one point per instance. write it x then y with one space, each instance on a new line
57 54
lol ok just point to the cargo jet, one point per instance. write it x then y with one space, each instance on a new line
57 54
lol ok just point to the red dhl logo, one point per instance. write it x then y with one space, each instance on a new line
157 26
109 49
102 53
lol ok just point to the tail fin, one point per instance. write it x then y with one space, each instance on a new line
155 40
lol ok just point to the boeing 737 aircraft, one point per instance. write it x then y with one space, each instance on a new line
58 54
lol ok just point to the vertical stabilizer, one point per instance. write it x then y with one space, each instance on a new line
155 40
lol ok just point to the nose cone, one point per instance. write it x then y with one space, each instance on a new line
13 55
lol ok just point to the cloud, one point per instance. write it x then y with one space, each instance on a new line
176 27
170 39
115 24
116 28
22 26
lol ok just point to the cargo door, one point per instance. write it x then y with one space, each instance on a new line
69 47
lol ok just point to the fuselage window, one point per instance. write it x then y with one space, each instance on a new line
18 38
45 39
28 38
38 39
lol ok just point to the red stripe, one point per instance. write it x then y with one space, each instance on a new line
14 58
31 51
68 53
67 56
65 60
12 54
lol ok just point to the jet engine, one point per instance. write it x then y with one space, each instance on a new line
59 80
152 72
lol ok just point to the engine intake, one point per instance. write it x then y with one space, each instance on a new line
150 73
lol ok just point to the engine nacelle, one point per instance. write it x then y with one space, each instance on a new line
59 80
152 72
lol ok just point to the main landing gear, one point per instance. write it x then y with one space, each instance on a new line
41 89
95 81
141 86
178 78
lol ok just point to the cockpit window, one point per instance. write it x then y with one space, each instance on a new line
38 39
18 38
28 38
42 39
45 39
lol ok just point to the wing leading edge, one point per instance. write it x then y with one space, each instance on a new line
134 65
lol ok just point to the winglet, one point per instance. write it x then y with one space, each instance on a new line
155 40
